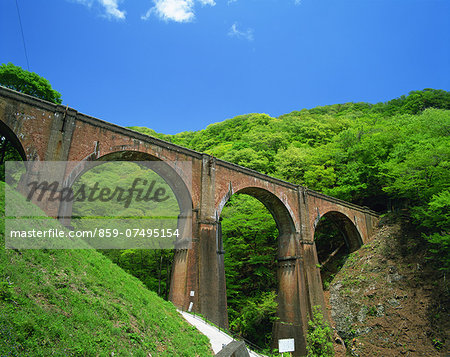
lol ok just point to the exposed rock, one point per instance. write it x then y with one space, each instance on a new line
380 310
379 304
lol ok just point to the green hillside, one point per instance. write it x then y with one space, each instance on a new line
78 303
387 156
392 156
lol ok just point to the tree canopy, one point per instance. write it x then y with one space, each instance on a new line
16 78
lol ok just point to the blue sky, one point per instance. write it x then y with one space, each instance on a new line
177 65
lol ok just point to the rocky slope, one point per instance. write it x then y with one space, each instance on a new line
388 300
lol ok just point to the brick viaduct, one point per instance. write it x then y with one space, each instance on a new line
50 132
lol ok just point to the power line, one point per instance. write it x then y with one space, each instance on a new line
23 37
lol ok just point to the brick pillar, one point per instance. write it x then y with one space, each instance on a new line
310 260
221 278
292 307
314 281
200 269
184 276
212 290
61 131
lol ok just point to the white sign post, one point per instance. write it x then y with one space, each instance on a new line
286 345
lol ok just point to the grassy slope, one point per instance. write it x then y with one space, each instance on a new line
76 302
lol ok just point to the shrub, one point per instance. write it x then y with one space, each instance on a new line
319 339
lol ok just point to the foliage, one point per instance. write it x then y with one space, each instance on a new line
332 252
319 337
436 218
338 149
256 318
395 153
385 156
79 303
418 101
247 227
123 174
152 267
16 78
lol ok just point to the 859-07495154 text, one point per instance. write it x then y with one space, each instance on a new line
97 233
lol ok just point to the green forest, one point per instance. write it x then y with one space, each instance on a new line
392 156
387 156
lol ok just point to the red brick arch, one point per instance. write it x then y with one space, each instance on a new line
319 205
281 213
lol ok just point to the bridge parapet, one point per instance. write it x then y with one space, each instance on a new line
338 201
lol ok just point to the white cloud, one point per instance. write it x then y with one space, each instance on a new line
235 32
297 2
207 2
175 10
231 1
110 7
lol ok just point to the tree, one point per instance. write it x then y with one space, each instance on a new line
16 78
418 101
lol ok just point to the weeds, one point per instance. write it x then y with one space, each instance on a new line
319 336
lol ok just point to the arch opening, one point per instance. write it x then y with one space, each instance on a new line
256 230
152 266
335 236
11 149
171 177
